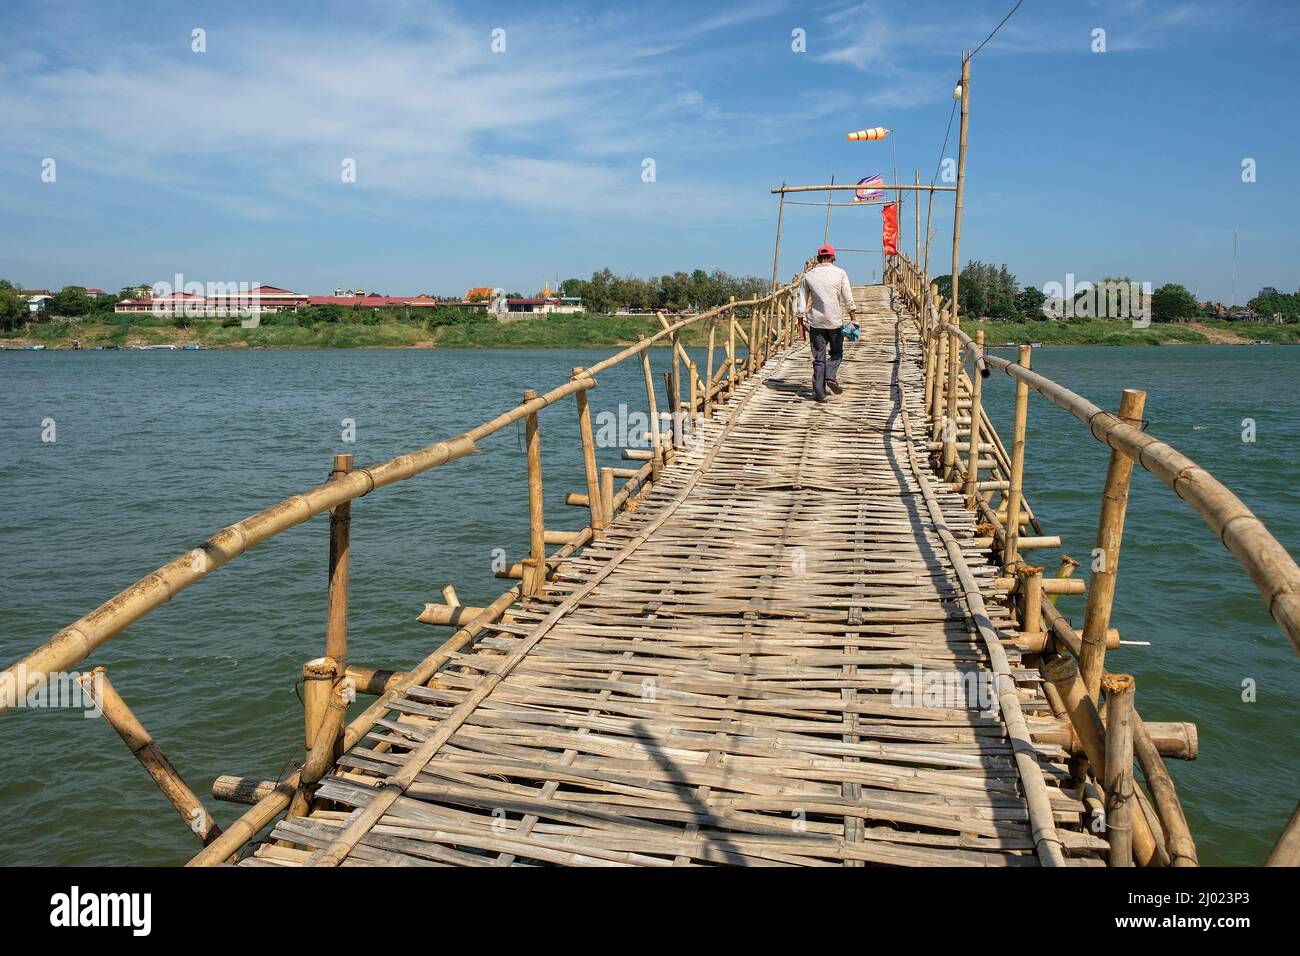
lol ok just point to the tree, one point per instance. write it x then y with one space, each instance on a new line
1171 302
13 307
71 300
1029 303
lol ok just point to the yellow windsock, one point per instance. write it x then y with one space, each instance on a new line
863 135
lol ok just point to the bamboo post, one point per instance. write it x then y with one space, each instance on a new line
656 443
1063 672
336 616
675 382
694 395
535 566
708 367
1119 768
1110 533
1182 850
916 230
321 748
1031 598
950 413
731 348
754 347
976 408
146 750
589 460
1066 570
776 256
936 400
607 493
318 679
961 187
1015 495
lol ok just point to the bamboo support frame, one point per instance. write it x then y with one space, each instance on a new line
598 518
146 750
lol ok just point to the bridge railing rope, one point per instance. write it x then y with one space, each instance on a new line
1073 662
759 326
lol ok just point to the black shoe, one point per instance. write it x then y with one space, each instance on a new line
834 386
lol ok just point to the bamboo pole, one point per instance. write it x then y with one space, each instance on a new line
950 412
916 229
776 255
535 566
961 191
322 749
1286 852
708 370
731 348
652 402
1015 496
1110 534
1182 850
336 616
1118 784
607 493
1063 672
146 750
598 517
973 465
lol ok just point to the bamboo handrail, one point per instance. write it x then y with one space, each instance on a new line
1269 565
74 643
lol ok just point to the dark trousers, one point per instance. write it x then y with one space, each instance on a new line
827 349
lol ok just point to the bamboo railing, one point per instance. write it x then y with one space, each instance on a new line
1140 828
764 326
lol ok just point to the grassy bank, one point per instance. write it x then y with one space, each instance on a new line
1113 332
556 331
576 331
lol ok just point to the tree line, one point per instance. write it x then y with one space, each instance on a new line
606 292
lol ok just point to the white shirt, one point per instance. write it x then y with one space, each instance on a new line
820 293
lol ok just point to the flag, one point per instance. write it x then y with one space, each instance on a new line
889 234
867 188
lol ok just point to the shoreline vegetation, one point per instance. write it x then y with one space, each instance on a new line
583 330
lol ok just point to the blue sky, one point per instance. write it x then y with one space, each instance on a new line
482 168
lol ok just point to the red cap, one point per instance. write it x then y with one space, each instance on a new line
825 251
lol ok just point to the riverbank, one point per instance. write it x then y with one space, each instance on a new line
1112 332
582 331
284 331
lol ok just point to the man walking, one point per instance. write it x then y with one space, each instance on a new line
819 309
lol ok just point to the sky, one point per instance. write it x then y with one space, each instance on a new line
508 144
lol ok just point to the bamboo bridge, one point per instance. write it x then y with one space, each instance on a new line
793 633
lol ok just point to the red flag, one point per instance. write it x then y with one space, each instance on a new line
889 236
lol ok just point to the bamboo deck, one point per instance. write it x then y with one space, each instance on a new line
711 682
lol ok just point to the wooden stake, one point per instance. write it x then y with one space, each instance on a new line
598 518
1110 533
607 493
976 408
535 567
1119 768
708 368
961 187
146 750
336 615
1015 496
776 256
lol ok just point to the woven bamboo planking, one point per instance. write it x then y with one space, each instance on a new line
722 695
